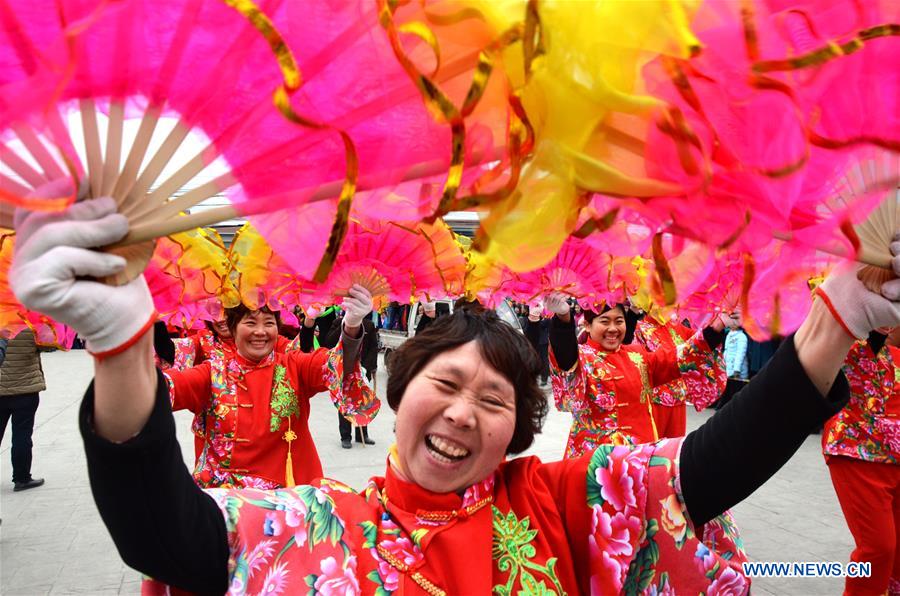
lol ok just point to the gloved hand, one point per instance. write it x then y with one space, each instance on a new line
856 308
52 258
556 303
311 314
356 305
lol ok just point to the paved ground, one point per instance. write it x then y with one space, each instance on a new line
52 539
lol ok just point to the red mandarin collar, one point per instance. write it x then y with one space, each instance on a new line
600 348
411 497
249 365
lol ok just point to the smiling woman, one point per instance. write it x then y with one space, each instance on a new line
251 404
467 409
451 514
608 386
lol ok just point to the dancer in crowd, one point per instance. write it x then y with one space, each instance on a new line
452 514
256 402
368 361
607 386
702 384
737 364
862 449
215 345
537 330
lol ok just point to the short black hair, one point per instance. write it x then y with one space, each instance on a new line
236 314
504 348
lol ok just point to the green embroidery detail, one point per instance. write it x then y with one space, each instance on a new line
513 551
600 459
642 570
646 388
284 401
370 532
417 536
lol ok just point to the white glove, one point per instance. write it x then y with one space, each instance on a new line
556 303
51 261
356 305
856 308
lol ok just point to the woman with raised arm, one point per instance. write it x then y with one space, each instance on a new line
451 515
608 386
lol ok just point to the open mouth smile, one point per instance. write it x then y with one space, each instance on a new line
445 451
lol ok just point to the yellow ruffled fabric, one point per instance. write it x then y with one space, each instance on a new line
584 100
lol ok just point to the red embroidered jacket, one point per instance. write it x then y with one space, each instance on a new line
701 384
868 428
609 393
256 414
608 523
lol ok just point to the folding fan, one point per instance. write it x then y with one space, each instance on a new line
578 271
165 104
395 261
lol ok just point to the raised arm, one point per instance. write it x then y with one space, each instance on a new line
50 274
743 445
563 340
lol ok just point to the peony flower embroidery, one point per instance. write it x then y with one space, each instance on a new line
337 580
672 519
617 533
729 583
621 481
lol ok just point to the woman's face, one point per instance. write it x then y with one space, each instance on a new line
455 421
608 329
221 329
255 335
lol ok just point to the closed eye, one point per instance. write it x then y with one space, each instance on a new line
495 402
446 384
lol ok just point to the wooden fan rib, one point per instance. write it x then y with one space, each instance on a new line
38 151
159 160
143 231
20 167
126 180
160 196
113 157
91 133
13 186
172 208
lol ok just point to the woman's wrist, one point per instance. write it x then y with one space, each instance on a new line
822 345
124 391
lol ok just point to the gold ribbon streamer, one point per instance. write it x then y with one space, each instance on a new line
829 51
520 137
663 282
832 50
440 105
293 79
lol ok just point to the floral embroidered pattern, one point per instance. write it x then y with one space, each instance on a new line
703 375
625 528
283 404
867 428
513 551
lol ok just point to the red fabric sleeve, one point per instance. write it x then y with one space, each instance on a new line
662 364
310 371
190 389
